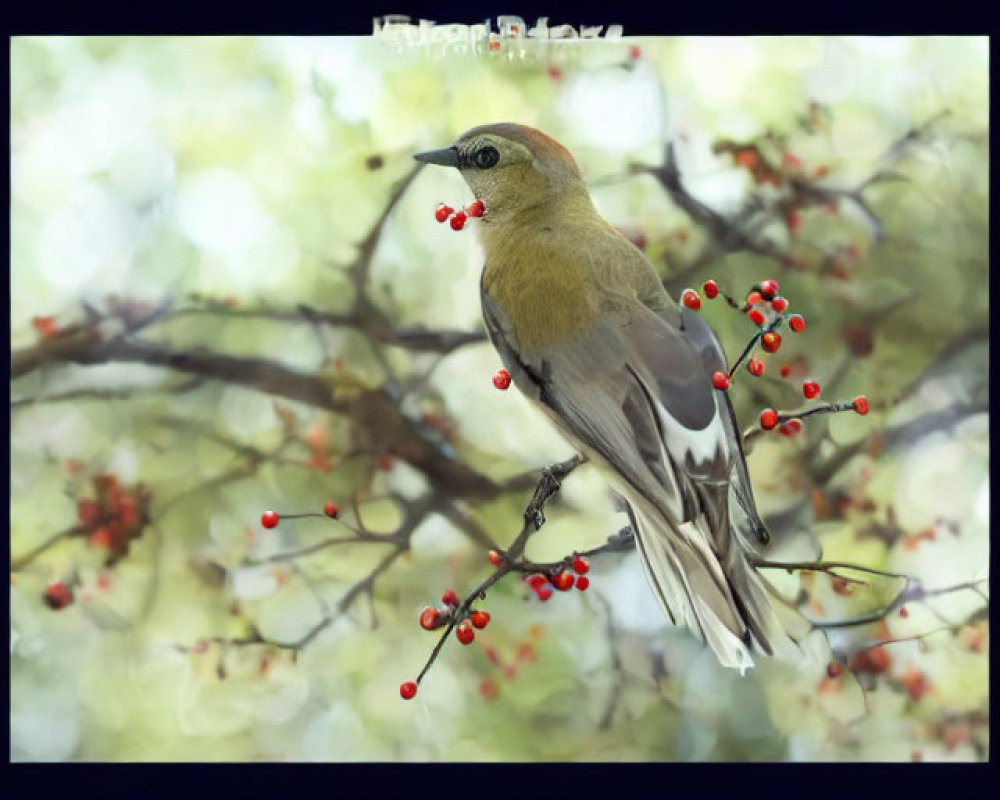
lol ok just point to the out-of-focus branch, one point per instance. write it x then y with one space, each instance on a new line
911 591
372 409
107 394
361 267
255 373
26 558
368 320
726 235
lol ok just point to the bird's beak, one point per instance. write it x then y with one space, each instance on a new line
446 157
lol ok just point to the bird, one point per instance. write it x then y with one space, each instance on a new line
586 329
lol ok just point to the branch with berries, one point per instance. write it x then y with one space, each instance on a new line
775 170
766 308
461 615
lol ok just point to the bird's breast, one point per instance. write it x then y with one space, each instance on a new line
546 304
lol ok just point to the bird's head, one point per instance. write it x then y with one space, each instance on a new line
510 167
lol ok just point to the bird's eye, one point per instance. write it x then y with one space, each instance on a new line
486 157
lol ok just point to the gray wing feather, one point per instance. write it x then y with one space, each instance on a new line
603 391
713 359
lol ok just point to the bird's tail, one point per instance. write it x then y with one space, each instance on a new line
720 597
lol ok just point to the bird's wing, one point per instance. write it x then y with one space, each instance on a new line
638 396
713 359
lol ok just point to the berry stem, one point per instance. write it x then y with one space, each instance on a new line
754 340
549 484
729 300
829 408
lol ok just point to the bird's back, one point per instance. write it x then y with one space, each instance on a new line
555 277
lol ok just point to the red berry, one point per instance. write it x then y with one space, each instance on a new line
794 221
755 367
480 619
756 317
101 538
768 418
443 212
45 326
580 566
785 371
691 300
464 632
747 158
790 161
583 583
476 209
458 221
408 690
711 289
536 581
779 304
834 669
269 519
771 341
753 298
563 581
797 323
430 619
768 289
502 380
790 428
449 598
810 389
88 512
859 340
495 558
331 510
488 689
58 595
720 380
903 612
544 593
861 405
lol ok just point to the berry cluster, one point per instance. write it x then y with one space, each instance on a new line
458 218
432 618
542 583
766 308
523 653
114 517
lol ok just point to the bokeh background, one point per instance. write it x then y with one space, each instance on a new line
229 294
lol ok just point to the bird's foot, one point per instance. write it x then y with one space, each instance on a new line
623 540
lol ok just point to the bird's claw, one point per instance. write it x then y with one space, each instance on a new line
623 540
